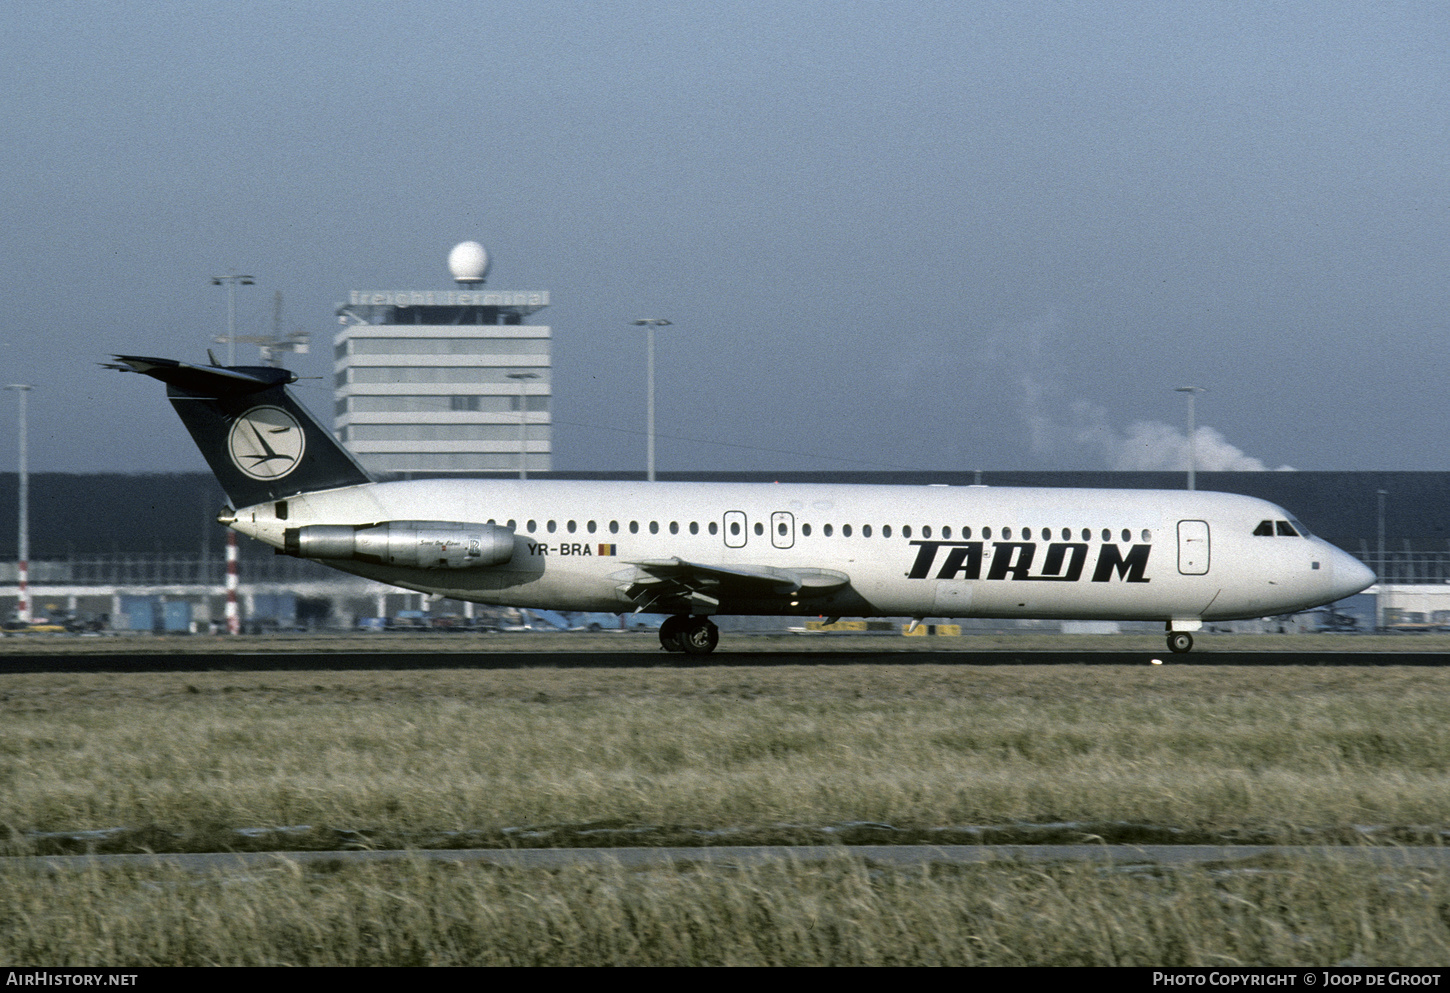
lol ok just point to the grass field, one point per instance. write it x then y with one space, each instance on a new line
725 755
731 755
844 912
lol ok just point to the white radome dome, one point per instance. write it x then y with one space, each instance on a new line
468 262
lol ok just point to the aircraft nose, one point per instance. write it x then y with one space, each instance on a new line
1350 575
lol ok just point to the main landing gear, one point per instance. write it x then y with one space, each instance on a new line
691 635
1180 642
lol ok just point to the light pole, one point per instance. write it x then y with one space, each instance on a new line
231 280
523 379
1384 578
649 324
22 610
1192 392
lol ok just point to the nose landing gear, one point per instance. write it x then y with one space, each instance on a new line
691 635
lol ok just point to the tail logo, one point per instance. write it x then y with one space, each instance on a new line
266 443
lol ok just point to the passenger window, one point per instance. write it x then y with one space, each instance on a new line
532 526
1047 534
1147 535
946 532
590 526
570 527
906 531
734 528
865 530
694 527
925 532
513 525
674 527
846 530
886 530
1006 532
806 529
986 532
1067 534
759 528
966 532
826 530
1107 535
1287 530
634 527
712 527
552 527
1087 534
654 527
614 527
1127 535
1265 529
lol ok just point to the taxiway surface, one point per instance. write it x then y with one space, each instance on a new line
387 661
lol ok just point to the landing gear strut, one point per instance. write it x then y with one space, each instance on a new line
1180 642
691 635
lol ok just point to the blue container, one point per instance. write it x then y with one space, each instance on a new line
139 612
177 617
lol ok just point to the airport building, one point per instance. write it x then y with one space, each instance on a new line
445 381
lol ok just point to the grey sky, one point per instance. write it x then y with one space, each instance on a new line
898 235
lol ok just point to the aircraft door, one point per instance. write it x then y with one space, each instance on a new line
734 529
1193 548
782 529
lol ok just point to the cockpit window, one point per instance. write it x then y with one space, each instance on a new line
1284 529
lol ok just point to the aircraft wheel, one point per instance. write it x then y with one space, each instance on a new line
672 633
1180 642
700 637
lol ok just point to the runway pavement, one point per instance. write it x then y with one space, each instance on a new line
386 661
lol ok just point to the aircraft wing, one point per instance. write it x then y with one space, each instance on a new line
675 584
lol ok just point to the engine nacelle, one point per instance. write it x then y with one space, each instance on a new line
413 544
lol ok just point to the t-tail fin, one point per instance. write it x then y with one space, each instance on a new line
259 441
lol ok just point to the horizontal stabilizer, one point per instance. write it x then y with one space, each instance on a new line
198 379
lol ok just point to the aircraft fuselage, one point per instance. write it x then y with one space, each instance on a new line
906 550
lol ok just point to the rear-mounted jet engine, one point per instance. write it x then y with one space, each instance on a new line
412 544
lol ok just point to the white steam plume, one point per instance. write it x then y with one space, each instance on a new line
1155 446
1143 446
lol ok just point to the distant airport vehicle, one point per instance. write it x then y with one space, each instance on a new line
696 550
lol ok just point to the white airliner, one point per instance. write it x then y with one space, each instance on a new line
694 550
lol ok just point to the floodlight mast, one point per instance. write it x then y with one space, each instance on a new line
22 607
522 378
649 324
231 280
1192 392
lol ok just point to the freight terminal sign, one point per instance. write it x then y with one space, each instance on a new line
447 298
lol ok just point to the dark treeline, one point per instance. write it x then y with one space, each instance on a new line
175 513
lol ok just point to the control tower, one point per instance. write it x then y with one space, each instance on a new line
445 381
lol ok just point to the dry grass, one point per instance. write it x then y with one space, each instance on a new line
659 755
665 756
841 913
